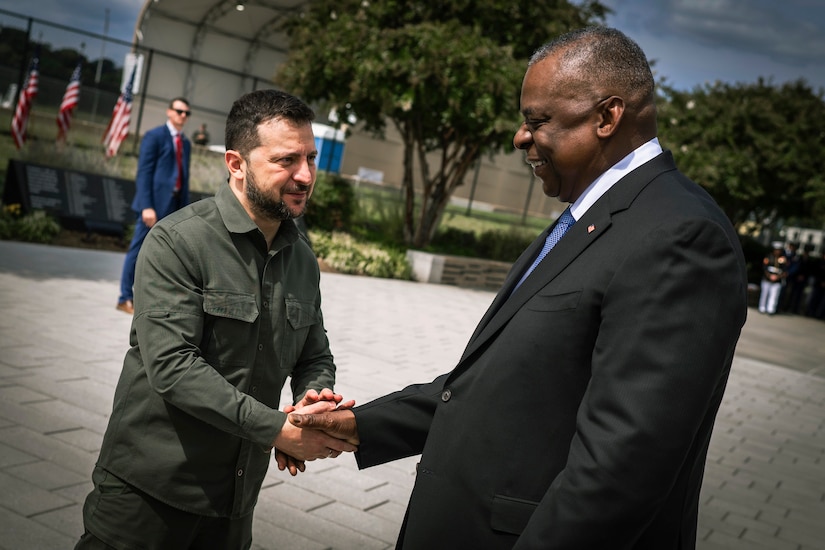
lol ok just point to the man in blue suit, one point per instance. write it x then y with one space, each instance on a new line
161 186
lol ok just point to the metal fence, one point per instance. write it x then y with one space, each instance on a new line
164 76
96 103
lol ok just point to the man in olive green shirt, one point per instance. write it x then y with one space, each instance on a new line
227 307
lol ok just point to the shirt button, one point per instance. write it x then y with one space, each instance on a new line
254 389
266 304
240 472
446 395
260 347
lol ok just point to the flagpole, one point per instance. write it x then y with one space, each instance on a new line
118 127
24 61
70 101
25 101
100 63
147 70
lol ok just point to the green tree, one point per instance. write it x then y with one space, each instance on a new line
12 45
445 74
757 148
67 59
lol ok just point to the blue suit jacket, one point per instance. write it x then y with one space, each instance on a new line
157 173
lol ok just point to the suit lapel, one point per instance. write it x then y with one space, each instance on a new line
584 232
519 266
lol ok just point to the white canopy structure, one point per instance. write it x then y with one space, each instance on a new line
209 51
213 51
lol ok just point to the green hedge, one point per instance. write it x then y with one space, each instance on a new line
347 254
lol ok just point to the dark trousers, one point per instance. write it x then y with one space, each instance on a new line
127 276
119 516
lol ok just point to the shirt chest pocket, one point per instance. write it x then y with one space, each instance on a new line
229 322
300 316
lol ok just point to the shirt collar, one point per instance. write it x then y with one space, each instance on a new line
232 211
603 183
236 220
172 129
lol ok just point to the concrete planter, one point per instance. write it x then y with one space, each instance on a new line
457 270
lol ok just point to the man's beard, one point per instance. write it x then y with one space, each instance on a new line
265 206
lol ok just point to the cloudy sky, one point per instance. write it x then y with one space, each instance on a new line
88 15
693 41
699 41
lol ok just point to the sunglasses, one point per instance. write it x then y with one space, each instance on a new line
182 112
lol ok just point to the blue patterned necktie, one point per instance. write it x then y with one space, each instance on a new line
566 220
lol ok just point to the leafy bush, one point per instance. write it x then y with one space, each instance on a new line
504 245
332 204
498 245
36 227
454 241
8 218
347 254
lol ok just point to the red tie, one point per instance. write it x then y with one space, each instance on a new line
179 156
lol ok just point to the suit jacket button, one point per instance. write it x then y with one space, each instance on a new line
446 395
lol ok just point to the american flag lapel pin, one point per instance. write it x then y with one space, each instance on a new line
591 228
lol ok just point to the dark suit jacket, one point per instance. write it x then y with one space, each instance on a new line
580 413
157 173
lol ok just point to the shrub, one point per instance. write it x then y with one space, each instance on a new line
331 205
504 245
496 244
347 254
8 220
36 227
458 242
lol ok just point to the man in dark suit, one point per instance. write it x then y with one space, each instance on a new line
161 186
580 413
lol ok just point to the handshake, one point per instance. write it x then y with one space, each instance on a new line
321 425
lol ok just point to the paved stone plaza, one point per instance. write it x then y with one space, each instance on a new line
62 344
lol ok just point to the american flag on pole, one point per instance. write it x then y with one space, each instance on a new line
118 127
24 102
70 99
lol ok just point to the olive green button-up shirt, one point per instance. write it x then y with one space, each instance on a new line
220 323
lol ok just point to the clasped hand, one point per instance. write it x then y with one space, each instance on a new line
294 445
